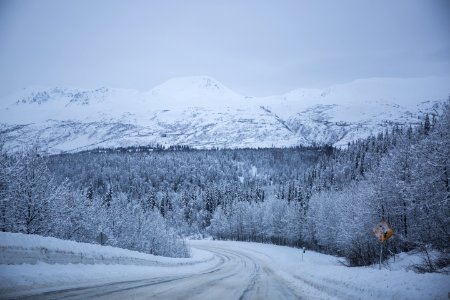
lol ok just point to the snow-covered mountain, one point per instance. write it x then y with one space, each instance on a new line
201 112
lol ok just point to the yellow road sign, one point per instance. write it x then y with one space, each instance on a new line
382 231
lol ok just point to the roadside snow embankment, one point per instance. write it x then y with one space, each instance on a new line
44 263
17 248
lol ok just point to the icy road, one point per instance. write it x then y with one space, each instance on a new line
217 270
235 274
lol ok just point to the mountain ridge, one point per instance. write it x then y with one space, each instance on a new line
201 112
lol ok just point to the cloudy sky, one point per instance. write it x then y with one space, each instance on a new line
254 47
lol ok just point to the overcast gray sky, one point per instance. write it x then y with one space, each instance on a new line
253 47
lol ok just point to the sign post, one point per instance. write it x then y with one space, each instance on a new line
381 255
101 238
383 232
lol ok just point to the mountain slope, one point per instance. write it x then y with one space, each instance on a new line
201 112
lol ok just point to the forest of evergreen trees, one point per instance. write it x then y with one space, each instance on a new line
323 198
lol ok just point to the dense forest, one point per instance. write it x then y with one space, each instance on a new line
323 198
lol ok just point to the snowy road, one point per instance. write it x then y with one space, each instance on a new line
34 267
237 274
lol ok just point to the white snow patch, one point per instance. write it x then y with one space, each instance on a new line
253 171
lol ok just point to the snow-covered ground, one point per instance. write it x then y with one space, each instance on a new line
43 267
320 276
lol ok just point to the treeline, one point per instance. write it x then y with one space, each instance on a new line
140 149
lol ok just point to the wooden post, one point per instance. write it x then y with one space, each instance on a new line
381 255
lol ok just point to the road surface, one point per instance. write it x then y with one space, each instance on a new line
236 274
46 268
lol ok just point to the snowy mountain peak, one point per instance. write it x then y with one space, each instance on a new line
201 82
192 86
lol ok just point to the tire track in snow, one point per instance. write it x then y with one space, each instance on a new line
115 287
263 283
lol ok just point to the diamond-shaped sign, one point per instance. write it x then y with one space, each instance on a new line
382 231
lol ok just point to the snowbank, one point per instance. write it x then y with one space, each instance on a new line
18 248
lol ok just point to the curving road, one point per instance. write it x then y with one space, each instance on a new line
237 274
